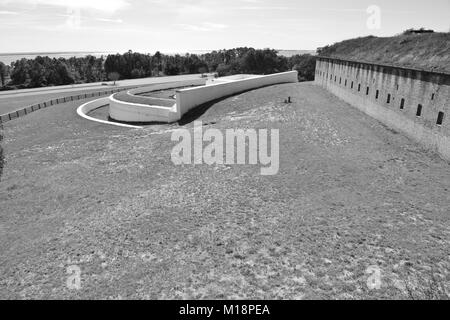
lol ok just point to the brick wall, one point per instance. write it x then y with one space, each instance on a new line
416 102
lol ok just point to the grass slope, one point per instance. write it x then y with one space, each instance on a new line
1 151
422 51
349 195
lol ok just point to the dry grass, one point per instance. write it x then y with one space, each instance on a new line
350 194
1 151
422 51
431 286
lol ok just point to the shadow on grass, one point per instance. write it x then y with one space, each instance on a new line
137 123
197 112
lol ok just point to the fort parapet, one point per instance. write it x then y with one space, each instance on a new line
415 102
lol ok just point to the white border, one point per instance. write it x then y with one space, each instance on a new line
81 113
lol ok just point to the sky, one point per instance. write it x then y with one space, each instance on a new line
185 25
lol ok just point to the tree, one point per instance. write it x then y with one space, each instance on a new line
37 75
2 73
57 72
114 76
203 70
264 61
45 71
171 69
136 73
305 65
223 70
20 72
417 31
158 58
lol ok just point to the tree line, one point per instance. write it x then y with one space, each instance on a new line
45 71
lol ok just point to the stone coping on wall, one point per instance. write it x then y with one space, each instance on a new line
413 73
143 100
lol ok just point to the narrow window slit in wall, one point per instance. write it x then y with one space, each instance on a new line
419 110
440 119
388 98
367 91
377 94
398 87
432 96
352 84
402 104
359 87
345 82
340 80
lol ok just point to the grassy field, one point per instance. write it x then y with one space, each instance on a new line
350 194
422 51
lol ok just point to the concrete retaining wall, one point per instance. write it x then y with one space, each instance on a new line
394 96
144 112
188 99
169 85
90 106
93 105
135 112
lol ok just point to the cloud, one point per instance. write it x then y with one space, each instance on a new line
10 13
109 6
109 20
215 25
258 8
205 26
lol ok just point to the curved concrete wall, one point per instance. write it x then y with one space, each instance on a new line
88 107
135 112
165 86
144 112
188 99
392 95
